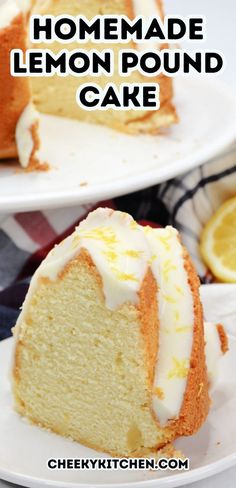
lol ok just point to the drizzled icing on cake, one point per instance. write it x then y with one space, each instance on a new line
176 318
122 252
24 134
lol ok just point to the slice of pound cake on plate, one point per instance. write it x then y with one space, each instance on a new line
110 343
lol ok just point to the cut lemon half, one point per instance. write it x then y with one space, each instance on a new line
218 242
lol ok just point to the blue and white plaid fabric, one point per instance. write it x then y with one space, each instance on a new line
192 199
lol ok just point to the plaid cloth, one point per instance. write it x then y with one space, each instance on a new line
186 202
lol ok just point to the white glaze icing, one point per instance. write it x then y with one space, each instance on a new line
8 12
24 138
176 319
147 9
213 352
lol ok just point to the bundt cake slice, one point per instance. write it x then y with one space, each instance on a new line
110 341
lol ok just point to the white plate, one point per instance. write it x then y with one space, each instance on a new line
111 163
25 449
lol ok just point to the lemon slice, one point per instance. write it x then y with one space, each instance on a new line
218 242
